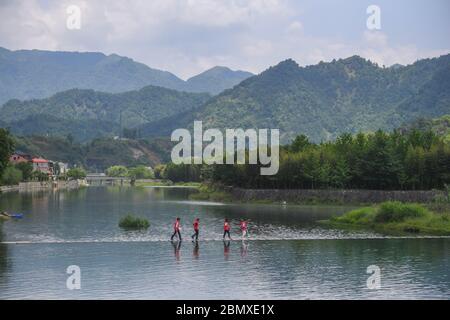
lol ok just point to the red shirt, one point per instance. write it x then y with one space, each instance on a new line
243 225
196 224
226 226
176 225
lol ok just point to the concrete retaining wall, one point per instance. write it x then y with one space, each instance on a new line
36 185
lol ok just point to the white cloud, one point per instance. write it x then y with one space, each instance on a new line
295 27
376 47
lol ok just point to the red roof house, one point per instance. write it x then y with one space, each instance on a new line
19 157
42 165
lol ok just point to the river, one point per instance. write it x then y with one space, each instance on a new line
288 256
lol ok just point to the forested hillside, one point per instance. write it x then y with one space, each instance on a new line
326 99
98 154
87 114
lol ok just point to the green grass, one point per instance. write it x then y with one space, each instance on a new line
217 196
394 217
188 184
130 222
210 193
152 183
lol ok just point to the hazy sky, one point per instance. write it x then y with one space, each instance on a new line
186 37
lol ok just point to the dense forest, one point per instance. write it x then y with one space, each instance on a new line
412 160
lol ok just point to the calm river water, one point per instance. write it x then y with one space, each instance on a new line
288 255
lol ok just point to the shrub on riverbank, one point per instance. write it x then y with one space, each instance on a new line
140 172
129 222
396 217
11 176
76 173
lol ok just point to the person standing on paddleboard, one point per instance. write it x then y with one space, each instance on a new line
226 229
176 229
196 225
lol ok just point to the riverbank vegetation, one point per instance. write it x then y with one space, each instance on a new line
130 222
12 174
76 173
396 218
6 149
134 173
208 192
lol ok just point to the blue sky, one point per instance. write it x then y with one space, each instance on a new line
425 23
189 36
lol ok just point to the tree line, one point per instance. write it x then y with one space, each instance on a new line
413 160
401 160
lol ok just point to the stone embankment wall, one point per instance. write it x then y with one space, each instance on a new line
36 185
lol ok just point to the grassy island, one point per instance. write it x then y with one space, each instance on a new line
130 222
396 218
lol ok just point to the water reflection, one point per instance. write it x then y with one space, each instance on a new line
4 260
244 248
226 249
303 269
196 250
176 249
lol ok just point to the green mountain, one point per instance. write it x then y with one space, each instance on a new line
323 100
48 125
87 114
26 74
216 80
432 99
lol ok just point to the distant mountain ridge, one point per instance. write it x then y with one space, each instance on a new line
27 74
216 80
